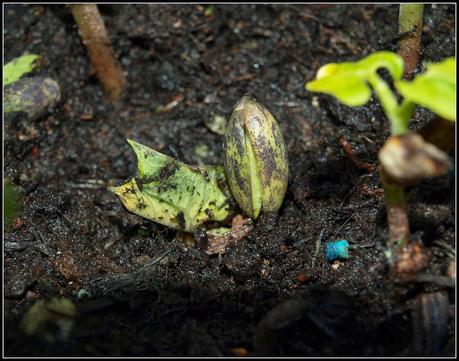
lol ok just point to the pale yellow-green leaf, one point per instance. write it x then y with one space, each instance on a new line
348 81
435 89
17 67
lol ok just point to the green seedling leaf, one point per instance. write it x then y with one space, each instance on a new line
348 81
16 68
11 205
172 193
435 89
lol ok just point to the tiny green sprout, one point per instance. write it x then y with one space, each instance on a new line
143 232
17 67
256 162
172 193
11 205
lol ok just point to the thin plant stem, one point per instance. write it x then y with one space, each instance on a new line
399 116
410 28
397 219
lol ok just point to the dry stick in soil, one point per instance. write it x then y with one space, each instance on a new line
410 28
95 38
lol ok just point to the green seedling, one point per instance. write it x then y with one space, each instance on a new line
352 83
172 193
18 67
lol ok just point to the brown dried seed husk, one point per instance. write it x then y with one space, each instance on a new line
408 159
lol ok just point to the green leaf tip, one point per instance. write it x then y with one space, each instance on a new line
434 89
11 204
172 193
348 81
17 67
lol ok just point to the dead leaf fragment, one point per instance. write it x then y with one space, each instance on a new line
218 239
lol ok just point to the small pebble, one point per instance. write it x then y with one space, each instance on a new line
18 223
336 265
303 278
30 295
315 102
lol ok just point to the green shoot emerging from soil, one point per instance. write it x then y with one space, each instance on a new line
11 205
350 83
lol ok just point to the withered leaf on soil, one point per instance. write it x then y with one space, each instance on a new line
172 193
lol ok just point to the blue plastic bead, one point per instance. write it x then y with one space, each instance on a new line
337 250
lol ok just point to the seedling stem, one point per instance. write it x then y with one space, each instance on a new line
410 28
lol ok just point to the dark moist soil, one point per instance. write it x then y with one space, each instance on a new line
151 294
